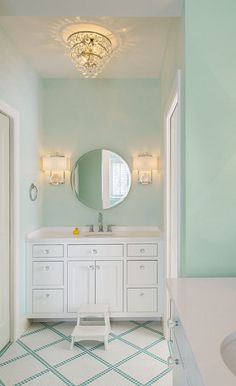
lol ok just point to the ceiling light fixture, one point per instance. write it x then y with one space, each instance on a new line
89 51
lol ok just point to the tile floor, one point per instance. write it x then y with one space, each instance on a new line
137 355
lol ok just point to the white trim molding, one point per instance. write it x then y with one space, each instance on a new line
18 323
173 102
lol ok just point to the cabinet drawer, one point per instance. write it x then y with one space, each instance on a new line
137 250
48 273
101 250
142 300
48 250
142 272
47 301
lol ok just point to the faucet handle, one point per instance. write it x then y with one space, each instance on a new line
91 228
109 227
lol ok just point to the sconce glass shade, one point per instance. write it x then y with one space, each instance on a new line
145 164
56 165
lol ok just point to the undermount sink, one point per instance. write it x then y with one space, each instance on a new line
228 352
97 234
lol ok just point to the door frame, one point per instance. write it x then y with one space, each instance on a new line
173 101
15 324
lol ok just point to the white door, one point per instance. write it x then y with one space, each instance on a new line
109 284
4 231
81 284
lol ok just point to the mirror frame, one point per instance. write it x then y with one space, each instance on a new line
72 182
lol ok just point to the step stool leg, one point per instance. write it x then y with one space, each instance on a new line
106 342
72 343
107 322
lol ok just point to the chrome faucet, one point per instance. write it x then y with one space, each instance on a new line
100 222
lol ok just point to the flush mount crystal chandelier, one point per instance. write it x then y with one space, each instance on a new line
89 51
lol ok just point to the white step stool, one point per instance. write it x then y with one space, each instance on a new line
93 332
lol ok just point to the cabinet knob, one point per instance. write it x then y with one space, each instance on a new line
46 268
171 361
141 267
94 251
47 295
91 267
172 323
142 250
141 293
46 251
97 266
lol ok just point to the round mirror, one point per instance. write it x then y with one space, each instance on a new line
101 179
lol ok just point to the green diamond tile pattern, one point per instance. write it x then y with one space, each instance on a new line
137 355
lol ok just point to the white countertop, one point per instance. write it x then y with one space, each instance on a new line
63 234
207 310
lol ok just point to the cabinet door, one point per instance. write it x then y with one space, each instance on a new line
109 284
81 284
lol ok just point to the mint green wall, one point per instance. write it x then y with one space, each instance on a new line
120 115
19 87
210 245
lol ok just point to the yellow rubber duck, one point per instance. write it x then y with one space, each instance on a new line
76 231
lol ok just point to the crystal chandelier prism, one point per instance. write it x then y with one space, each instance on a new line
89 51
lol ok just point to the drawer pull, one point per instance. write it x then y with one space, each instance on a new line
46 251
91 267
47 295
142 267
94 251
142 250
141 293
46 268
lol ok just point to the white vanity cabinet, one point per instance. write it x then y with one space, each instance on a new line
185 370
95 282
125 272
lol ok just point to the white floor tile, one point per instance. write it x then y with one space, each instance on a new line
90 344
111 379
13 351
143 368
35 327
48 379
18 370
118 328
161 349
116 352
81 369
156 325
40 339
65 328
142 337
167 380
58 352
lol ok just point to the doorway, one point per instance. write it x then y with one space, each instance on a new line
4 230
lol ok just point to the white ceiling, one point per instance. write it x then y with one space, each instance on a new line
142 42
91 7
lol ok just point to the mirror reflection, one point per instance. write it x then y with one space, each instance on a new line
101 179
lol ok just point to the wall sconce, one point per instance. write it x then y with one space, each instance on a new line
56 165
144 164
